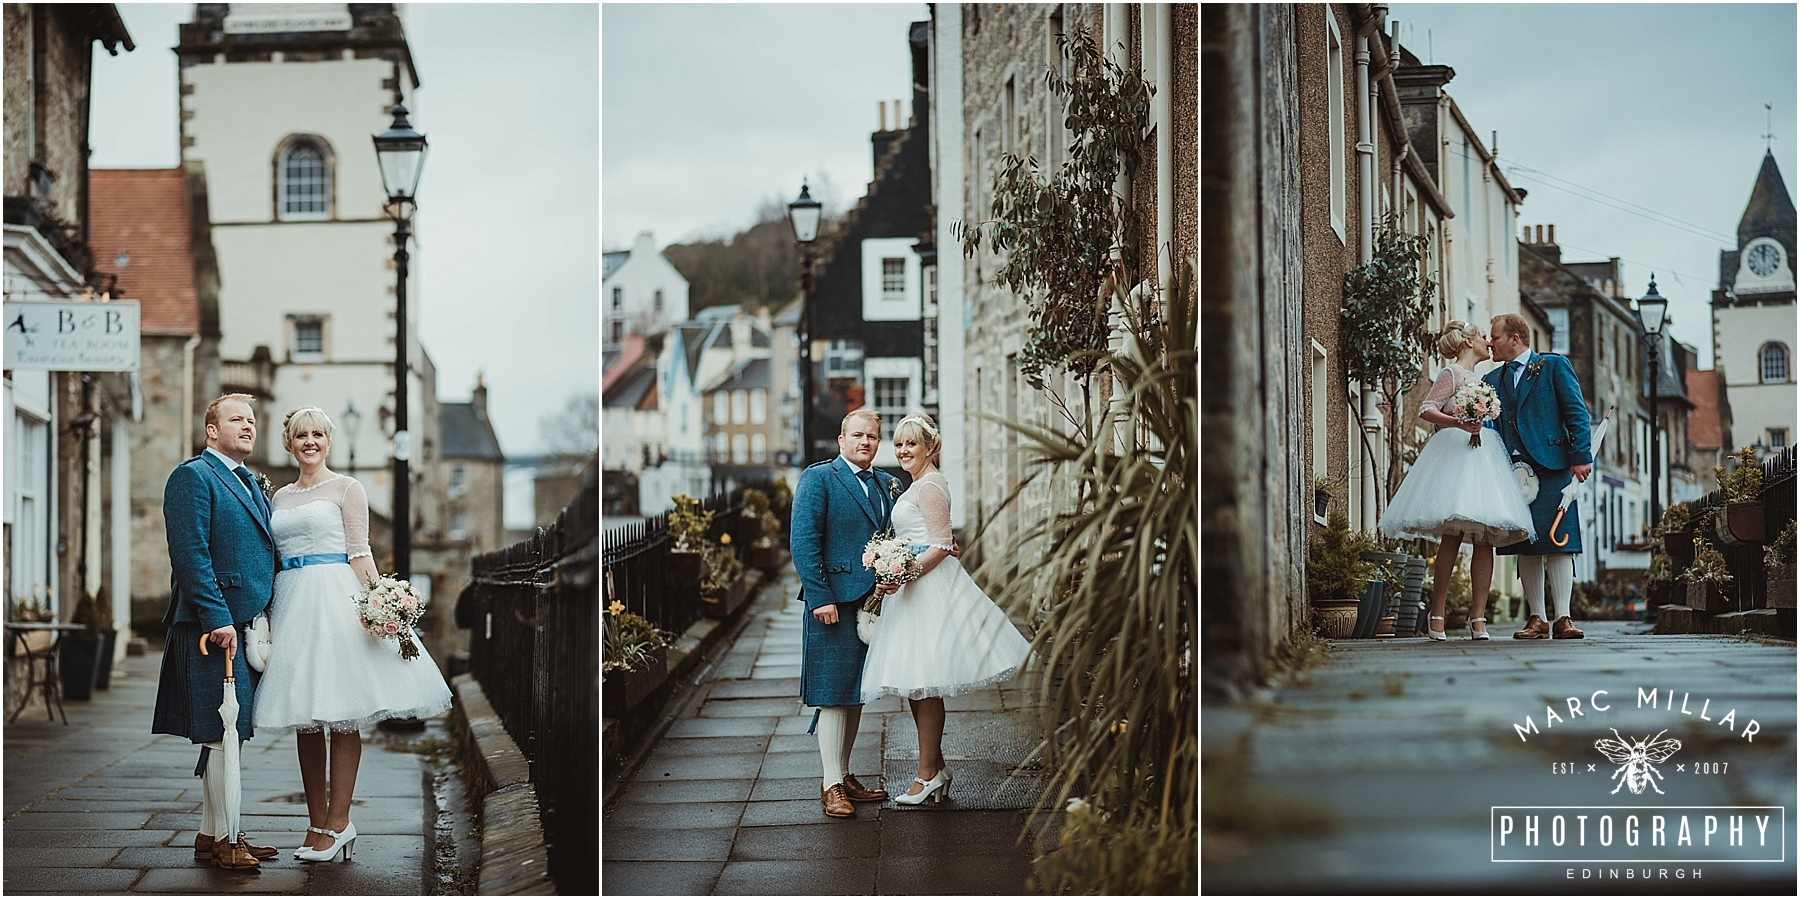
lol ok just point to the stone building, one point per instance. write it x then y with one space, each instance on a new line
987 95
152 240
1753 317
67 458
279 104
472 467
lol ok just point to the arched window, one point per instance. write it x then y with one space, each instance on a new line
303 181
1774 363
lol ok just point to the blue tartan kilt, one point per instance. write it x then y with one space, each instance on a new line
1543 513
192 687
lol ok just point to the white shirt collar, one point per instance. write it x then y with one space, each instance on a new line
1525 357
229 462
853 465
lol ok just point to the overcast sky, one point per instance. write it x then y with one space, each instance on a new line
710 110
1657 105
508 253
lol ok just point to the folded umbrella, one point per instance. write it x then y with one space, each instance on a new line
1568 493
222 783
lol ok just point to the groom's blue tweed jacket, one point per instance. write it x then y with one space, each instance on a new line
833 519
1544 418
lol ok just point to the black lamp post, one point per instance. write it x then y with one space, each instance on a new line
803 214
1652 310
401 152
352 423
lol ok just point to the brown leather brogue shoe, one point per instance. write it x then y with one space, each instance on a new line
234 856
1535 629
203 846
859 793
1565 629
837 802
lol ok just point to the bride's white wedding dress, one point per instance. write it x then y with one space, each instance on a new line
1458 490
939 635
325 669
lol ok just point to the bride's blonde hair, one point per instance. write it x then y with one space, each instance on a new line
300 418
919 426
1450 343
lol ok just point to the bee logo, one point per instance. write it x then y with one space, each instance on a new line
1637 761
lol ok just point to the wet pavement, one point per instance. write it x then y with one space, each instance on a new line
728 801
104 806
1383 770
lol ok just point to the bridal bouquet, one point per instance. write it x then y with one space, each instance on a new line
1475 403
388 608
892 563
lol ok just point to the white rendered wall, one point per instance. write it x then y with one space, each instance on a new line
639 277
1740 333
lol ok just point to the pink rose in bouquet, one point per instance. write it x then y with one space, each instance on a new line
387 609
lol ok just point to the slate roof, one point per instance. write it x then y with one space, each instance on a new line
758 337
143 213
634 390
465 433
610 262
748 375
1771 210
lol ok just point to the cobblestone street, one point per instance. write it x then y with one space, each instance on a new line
104 806
1379 771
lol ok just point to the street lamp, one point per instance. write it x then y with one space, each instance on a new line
401 152
1652 310
352 423
803 214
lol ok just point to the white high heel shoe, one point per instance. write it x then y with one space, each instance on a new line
1439 636
935 788
1477 634
343 842
302 848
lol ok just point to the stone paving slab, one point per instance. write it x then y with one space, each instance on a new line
699 818
1400 748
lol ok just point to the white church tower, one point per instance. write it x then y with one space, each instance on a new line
278 105
1753 318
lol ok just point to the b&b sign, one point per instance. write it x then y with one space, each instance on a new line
59 336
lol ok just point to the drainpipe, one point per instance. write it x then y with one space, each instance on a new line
1162 110
186 444
1365 158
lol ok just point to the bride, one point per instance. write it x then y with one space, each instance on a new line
326 672
939 635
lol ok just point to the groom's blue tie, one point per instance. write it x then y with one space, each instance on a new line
867 476
243 474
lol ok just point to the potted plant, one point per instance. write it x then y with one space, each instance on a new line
1323 487
1337 576
720 591
79 653
687 542
1674 521
1742 488
1659 582
1706 577
1778 563
635 661
764 551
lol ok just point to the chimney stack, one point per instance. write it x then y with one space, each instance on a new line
479 399
1553 234
883 106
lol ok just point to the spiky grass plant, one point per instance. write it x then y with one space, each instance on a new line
1113 589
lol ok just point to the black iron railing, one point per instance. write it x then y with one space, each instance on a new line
535 648
636 557
1748 589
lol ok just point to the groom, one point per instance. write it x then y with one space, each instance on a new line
223 559
838 505
1544 423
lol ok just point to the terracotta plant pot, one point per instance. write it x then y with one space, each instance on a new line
1386 627
1334 619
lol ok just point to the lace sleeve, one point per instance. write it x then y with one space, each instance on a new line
356 521
935 505
1441 391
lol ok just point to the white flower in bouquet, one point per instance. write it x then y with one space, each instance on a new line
388 608
1477 402
892 562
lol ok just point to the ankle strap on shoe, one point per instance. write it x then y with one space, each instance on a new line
1482 620
1437 618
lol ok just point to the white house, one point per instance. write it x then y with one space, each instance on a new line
1753 317
643 293
280 106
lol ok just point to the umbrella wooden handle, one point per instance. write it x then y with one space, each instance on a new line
232 650
1553 526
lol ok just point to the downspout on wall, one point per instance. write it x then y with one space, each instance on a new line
1365 159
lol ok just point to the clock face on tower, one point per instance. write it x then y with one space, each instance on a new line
1763 259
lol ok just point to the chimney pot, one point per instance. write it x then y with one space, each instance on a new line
1540 234
1553 234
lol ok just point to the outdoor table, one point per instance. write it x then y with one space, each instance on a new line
19 632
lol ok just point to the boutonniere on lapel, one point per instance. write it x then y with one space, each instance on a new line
267 486
1532 368
893 489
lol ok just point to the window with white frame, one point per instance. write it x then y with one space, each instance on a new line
309 339
722 447
893 279
1559 330
1777 439
459 525
740 406
1773 359
843 359
722 408
1334 91
656 303
303 189
459 481
618 301
759 448
740 449
759 406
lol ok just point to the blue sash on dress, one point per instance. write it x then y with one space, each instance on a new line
314 559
